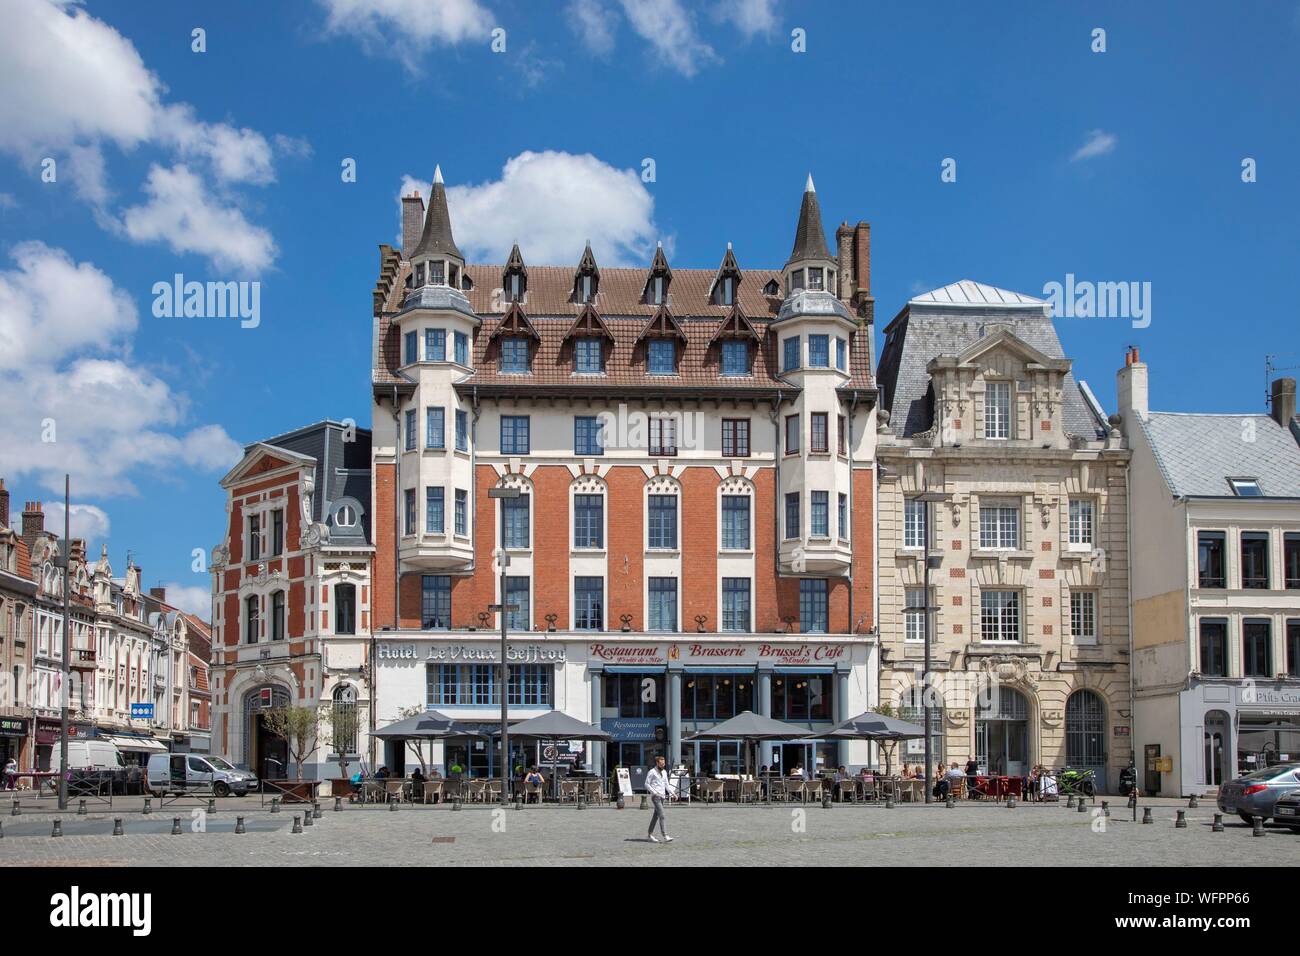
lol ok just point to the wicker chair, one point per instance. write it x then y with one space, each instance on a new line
569 790
794 788
432 788
711 791
531 791
812 790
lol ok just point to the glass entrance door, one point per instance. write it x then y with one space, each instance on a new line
1002 735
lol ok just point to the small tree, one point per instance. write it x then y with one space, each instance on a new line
416 746
299 728
886 747
344 724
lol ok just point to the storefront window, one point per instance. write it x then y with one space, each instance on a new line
1266 739
803 697
468 685
711 697
632 695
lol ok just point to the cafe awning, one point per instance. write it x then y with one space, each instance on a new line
870 726
556 725
748 725
430 725
135 744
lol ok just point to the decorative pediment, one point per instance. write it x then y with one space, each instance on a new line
587 323
515 323
662 325
736 326
261 459
1003 339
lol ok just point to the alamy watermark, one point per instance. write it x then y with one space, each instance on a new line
1083 299
209 300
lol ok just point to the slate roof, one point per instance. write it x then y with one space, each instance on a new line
1198 453
342 471
436 239
946 321
809 236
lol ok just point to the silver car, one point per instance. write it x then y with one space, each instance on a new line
1256 793
1287 810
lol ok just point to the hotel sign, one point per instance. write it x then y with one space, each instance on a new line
698 653
469 653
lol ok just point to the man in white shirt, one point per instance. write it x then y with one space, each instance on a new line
656 782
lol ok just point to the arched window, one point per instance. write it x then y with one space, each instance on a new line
344 724
1085 730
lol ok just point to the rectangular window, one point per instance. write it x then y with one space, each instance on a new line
514 435
435 432
1293 648
796 279
589 354
663 436
1000 616
735 438
735 522
1291 559
814 615
735 357
517 594
587 435
997 410
819 351
409 422
1083 617
462 511
435 345
514 521
735 604
435 602
462 430
792 528
1257 648
914 616
433 518
462 348
410 511
819 519
1254 559
663 521
436 273
254 537
412 348
844 517
345 609
791 353
589 603
663 604
818 441
277 616
663 354
252 622
1214 647
1081 523
914 523
514 354
842 435
277 532
588 521
792 434
815 278
842 354
999 525
1210 572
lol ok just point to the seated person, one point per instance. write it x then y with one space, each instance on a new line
534 777
417 777
382 773
950 781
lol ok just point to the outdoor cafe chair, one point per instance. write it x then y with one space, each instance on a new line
493 793
476 790
747 792
794 788
569 791
848 791
712 791
812 790
432 788
532 790
394 788
452 789
593 791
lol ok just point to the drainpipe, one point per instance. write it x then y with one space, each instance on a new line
1132 697
777 453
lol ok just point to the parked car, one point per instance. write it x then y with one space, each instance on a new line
181 773
1256 793
1287 810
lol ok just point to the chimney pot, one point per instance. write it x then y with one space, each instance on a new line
1284 401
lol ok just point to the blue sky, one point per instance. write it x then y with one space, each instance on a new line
226 165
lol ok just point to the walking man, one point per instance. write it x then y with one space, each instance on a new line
656 781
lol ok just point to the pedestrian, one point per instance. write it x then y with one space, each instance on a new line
11 774
972 773
656 781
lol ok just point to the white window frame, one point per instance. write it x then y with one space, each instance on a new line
914 616
997 413
1082 523
1083 617
998 510
1004 601
914 514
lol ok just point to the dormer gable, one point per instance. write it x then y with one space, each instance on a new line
657 281
586 279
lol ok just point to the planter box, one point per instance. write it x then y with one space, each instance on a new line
341 787
292 791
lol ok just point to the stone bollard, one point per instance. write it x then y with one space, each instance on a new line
239 825
2 830
949 802
1105 808
176 826
1069 804
275 804
1191 802
620 802
81 807
1081 806
1146 815
297 824
392 801
1217 826
15 811
212 805
315 809
455 803
58 829
519 799
148 806
889 803
826 800
306 819
338 804
117 826
1257 828
644 803
1011 802
1180 821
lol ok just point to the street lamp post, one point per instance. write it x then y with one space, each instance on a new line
66 564
928 498
503 685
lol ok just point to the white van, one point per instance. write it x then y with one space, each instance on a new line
181 773
89 753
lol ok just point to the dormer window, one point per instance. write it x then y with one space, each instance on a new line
514 355
656 287
662 356
589 355
436 273
515 279
815 278
586 281
997 410
771 287
514 291
735 357
585 294
726 291
657 290
1246 487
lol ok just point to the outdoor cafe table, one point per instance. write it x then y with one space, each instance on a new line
998 787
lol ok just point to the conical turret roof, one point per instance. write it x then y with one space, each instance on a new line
809 236
436 238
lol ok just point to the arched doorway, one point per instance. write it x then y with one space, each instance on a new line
265 754
1085 734
1216 748
1002 734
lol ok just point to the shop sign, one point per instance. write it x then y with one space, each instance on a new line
47 731
1251 695
1121 730
470 654
627 653
13 727
700 653
633 730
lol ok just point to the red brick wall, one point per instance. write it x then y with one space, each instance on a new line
699 544
626 528
383 532
551 539
863 543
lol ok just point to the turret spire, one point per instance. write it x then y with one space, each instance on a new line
809 237
437 238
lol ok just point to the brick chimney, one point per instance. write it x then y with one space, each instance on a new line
1283 401
158 594
862 257
1132 389
77 550
33 523
4 505
412 222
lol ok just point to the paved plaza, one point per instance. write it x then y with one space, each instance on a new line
908 835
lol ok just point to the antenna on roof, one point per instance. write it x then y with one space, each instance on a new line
1269 369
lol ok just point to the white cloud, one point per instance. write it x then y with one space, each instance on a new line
750 17
71 400
594 24
551 202
1098 143
86 522
670 30
195 599
180 212
406 29
77 85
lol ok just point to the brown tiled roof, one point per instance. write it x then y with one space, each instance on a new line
24 559
619 304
